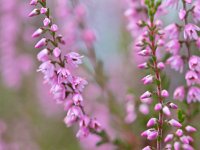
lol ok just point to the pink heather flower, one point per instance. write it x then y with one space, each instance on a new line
147 148
56 52
176 63
152 122
43 55
179 132
147 100
190 31
146 94
37 33
145 52
161 65
196 12
43 10
54 28
74 59
77 98
173 46
78 84
152 135
161 42
147 79
58 92
188 1
33 2
144 109
72 115
193 95
95 125
177 146
179 93
174 123
187 147
172 31
194 63
41 43
168 138
89 37
184 139
146 132
164 93
34 12
82 133
190 129
173 106
47 68
182 14
85 121
46 22
192 78
64 75
166 111
143 66
158 107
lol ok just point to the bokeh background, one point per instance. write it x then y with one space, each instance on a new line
29 117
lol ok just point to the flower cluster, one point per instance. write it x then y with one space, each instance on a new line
58 71
181 38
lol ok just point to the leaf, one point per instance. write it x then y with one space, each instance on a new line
181 116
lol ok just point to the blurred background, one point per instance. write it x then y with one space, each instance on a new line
29 117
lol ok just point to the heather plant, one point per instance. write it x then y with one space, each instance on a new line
122 76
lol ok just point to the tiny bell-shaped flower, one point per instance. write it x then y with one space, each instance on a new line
143 65
43 55
177 146
164 93
166 111
194 63
168 138
152 135
41 43
152 122
182 14
46 22
145 52
190 31
146 94
34 12
179 132
147 79
179 93
54 28
37 33
174 123
77 98
56 52
172 105
190 129
33 2
161 65
184 139
192 78
43 10
158 107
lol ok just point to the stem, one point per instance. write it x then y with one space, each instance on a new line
159 87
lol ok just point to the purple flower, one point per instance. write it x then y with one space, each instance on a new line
82 133
37 33
179 93
41 43
147 79
176 63
73 59
174 123
64 75
46 22
190 31
58 91
182 14
193 95
152 122
78 84
194 63
47 68
191 78
43 55
173 46
172 31
168 138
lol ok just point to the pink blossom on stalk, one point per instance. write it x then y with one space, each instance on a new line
82 133
193 95
192 78
147 79
73 59
152 122
54 28
33 2
34 12
43 55
172 31
184 139
77 98
177 146
190 129
168 138
179 132
164 93
146 52
173 106
176 63
179 93
56 52
46 22
182 14
166 111
161 65
194 63
173 46
43 10
143 65
187 147
37 33
196 11
174 123
190 31
158 107
152 135
41 43
146 94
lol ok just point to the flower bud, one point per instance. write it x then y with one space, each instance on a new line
54 28
161 65
158 107
177 146
143 66
174 123
179 132
146 94
145 52
43 55
164 93
152 122
168 138
166 111
56 52
34 12
41 43
172 105
46 22
37 33
190 129
147 79
33 2
43 10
